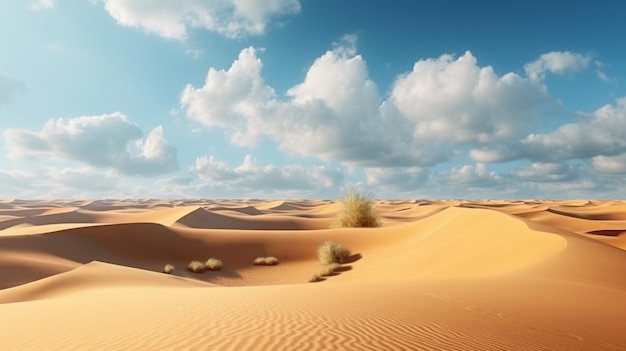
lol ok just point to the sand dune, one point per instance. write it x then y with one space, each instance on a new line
438 275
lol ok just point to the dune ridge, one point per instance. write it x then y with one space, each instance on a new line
437 275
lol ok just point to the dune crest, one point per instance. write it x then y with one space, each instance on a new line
437 275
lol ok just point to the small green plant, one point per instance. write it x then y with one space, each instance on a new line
266 261
329 269
358 212
168 269
315 278
331 252
213 264
196 266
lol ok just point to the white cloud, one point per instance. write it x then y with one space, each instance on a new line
61 183
109 140
253 176
601 73
466 181
392 180
547 172
236 98
556 62
458 101
21 184
8 89
40 5
444 108
334 113
173 19
337 114
472 175
599 134
610 164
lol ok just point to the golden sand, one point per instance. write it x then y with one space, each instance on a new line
438 275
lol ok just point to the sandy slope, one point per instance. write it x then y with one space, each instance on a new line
438 275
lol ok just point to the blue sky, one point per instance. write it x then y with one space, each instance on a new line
303 98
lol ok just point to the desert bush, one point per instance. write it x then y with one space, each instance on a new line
331 252
329 269
196 266
315 278
168 269
213 264
266 261
358 211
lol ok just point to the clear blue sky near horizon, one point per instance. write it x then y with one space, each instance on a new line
304 98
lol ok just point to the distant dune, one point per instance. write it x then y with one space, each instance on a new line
437 275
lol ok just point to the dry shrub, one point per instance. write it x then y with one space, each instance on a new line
331 252
196 266
315 278
168 269
266 261
213 264
358 211
329 269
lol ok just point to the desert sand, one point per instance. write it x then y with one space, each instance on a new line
437 275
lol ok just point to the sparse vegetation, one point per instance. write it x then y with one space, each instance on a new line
168 269
331 252
329 269
358 211
315 278
213 264
266 261
196 266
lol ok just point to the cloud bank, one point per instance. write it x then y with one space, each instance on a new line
443 109
438 109
109 141
251 175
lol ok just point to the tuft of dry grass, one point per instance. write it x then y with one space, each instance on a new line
358 212
266 261
213 264
331 252
196 266
315 278
329 269
168 269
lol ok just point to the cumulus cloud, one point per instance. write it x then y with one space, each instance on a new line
457 100
337 113
598 134
443 108
173 19
556 62
8 89
40 5
236 98
252 175
109 140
